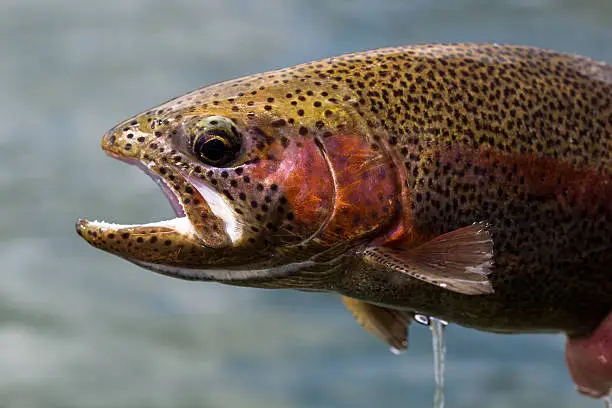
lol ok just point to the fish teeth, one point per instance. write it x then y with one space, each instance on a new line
181 225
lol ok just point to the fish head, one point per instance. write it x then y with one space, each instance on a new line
261 181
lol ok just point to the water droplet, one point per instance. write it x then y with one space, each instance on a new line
395 351
421 319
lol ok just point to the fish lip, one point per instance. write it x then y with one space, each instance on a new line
163 185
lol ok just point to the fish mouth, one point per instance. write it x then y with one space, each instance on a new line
163 185
181 222
204 222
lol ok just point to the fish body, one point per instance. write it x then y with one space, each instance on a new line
471 182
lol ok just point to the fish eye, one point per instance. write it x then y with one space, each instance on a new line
216 141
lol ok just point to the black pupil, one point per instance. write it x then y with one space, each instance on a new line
214 150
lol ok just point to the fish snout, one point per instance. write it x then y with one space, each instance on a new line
124 141
81 227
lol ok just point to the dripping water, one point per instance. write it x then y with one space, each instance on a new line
439 351
607 400
437 327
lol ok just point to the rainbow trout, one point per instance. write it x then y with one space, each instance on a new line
470 182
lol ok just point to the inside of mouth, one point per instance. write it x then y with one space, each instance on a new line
219 207
173 199
217 204
179 224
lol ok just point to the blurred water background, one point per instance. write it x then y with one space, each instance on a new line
80 328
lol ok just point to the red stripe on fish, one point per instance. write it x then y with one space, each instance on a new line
574 188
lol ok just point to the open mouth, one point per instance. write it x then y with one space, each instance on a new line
181 223
211 221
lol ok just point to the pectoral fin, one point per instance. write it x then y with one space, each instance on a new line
388 325
460 260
